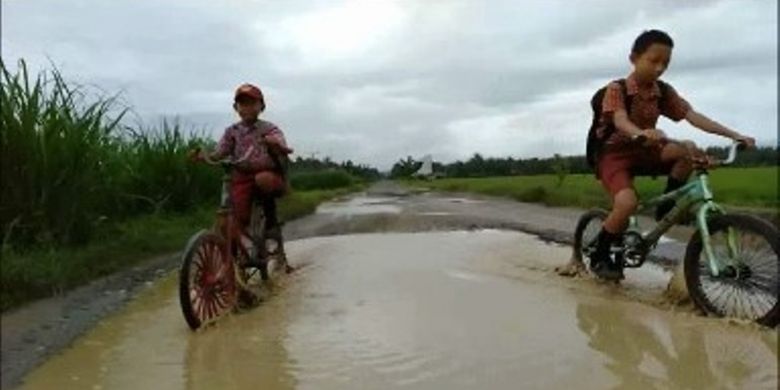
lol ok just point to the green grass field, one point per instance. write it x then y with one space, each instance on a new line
754 188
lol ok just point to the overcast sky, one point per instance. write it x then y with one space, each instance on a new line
374 81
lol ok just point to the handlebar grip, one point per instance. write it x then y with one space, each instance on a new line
733 152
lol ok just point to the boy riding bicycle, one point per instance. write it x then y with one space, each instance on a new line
629 111
261 147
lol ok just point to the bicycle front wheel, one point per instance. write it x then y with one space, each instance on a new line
207 285
748 281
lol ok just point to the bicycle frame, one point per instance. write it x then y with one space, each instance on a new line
694 195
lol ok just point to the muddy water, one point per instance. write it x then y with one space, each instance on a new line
360 206
433 310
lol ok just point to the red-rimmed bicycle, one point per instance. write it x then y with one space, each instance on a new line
220 265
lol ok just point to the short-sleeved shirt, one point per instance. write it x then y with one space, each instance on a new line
241 138
645 106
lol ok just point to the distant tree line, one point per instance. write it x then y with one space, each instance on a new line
479 166
312 164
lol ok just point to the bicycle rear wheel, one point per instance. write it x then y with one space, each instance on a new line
207 285
748 285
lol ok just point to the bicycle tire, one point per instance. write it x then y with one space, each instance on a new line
693 266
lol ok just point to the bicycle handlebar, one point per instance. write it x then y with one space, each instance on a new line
732 153
227 162
736 145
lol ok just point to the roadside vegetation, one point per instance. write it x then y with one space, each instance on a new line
85 194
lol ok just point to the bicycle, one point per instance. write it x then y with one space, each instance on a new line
731 263
219 264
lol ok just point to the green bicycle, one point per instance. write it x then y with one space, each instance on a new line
731 263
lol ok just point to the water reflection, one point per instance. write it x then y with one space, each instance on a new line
643 351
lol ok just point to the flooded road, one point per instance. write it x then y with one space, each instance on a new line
458 309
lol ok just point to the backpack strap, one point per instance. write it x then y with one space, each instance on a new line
664 88
627 99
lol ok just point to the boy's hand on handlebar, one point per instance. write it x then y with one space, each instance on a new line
654 136
702 160
745 141
649 137
276 145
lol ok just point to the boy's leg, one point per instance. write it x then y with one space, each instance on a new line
623 206
676 156
274 230
619 182
269 210
241 190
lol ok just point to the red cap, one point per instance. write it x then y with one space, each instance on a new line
249 90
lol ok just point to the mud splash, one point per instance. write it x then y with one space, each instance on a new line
431 310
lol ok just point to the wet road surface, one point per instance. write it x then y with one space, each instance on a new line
426 310
434 301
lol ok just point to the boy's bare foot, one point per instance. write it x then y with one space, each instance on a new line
573 268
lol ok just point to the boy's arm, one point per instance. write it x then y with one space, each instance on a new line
225 146
704 123
275 139
624 124
613 106
676 108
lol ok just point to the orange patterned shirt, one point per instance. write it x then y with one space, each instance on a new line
645 106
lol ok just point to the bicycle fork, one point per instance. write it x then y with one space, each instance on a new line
716 264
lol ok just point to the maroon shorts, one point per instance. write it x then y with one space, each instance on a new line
245 186
618 165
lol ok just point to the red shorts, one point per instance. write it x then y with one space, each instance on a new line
618 166
244 187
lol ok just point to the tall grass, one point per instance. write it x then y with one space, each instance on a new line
54 157
155 175
68 167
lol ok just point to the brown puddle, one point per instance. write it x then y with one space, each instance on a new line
431 310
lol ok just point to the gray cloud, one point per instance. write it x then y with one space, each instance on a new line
376 81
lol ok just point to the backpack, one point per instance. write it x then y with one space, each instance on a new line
596 143
281 161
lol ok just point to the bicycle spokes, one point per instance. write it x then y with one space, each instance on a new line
732 243
746 284
211 282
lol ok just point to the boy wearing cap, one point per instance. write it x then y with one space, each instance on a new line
261 146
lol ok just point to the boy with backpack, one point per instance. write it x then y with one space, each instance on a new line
263 150
625 111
